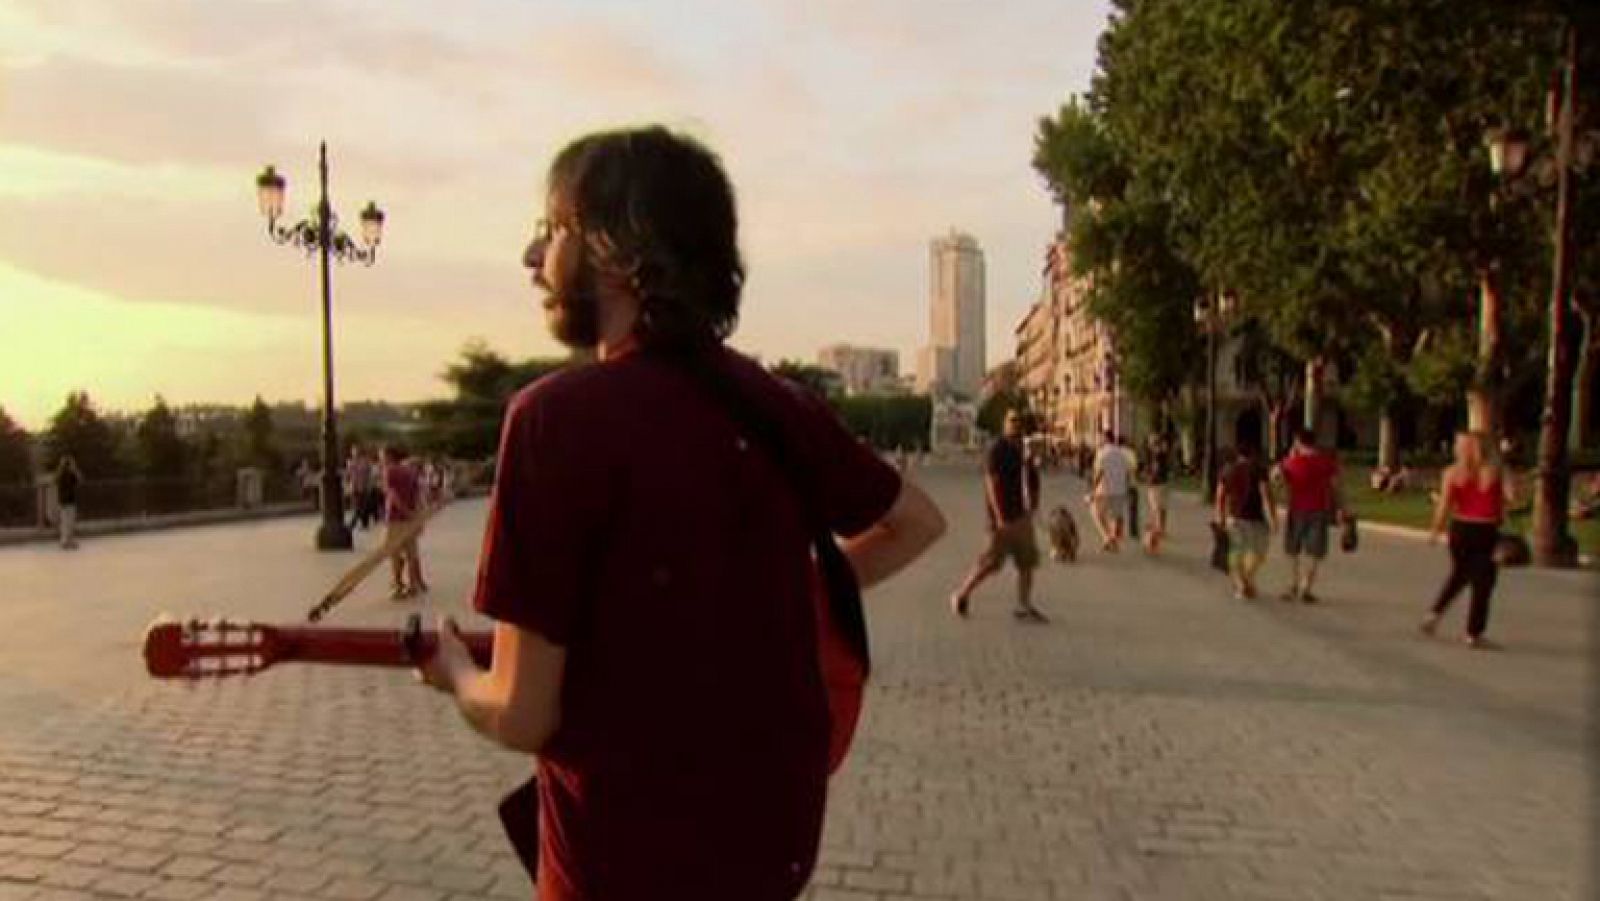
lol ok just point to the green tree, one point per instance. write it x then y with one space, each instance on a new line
823 382
1121 240
78 429
260 438
16 452
1314 159
467 426
888 422
992 412
161 451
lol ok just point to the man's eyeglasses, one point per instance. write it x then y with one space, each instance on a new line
545 228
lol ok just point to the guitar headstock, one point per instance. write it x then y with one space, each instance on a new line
198 649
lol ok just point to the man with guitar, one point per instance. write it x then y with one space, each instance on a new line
648 559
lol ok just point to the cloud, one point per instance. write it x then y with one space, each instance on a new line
125 352
131 131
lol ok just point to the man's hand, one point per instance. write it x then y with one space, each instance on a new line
450 661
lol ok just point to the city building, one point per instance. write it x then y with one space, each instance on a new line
1067 367
1066 359
954 428
936 370
862 370
956 318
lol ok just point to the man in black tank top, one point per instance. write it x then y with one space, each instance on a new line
1011 494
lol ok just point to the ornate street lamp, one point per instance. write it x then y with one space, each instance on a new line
1508 151
1509 155
319 234
1211 317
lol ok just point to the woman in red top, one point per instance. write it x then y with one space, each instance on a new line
1472 497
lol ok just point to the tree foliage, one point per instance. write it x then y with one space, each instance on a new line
161 451
821 381
888 422
1323 162
467 426
992 412
260 438
77 429
16 453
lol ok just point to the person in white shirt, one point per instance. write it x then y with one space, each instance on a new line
1108 494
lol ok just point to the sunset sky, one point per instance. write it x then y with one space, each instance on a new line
133 260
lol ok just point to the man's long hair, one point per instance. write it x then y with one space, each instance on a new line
656 208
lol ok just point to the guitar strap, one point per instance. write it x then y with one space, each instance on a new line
839 577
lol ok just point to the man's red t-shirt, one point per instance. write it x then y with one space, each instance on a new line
634 526
400 491
1310 476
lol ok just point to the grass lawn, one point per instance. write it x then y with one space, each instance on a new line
1413 508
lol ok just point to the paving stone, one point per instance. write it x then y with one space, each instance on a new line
353 889
1157 741
180 890
125 885
242 875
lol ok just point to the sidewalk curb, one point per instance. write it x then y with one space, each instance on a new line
96 528
1585 561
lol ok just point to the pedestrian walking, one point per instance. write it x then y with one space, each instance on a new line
1245 508
1011 498
1155 466
1473 495
1109 491
402 491
68 480
648 554
1311 479
361 477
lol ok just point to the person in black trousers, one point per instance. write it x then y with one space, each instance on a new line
1472 497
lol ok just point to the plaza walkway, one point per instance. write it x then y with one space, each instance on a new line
1159 740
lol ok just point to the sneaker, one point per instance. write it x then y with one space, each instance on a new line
1479 643
1029 615
959 605
1307 597
1429 625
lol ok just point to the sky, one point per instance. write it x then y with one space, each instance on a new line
134 260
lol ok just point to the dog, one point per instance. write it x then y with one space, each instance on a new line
1063 532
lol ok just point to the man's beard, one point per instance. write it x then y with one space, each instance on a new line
574 314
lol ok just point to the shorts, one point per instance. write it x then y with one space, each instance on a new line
1156 496
1114 506
1014 540
1247 536
1306 533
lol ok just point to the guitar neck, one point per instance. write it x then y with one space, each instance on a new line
368 647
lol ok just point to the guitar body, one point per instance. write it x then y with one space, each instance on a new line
845 679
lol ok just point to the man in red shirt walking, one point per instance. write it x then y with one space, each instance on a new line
648 557
1312 478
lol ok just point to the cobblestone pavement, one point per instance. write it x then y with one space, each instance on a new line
1158 740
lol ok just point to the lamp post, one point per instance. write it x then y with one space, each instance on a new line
1212 317
1509 155
320 234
